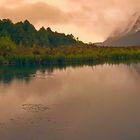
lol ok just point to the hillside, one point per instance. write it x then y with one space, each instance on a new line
130 38
25 34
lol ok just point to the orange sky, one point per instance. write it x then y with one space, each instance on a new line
90 20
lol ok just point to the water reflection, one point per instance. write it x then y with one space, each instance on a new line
72 103
26 73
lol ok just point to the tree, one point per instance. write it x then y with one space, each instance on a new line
25 34
6 46
42 36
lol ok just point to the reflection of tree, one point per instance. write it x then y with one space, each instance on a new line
7 73
10 73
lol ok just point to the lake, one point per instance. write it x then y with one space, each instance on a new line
99 102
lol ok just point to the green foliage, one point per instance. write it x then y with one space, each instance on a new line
22 44
25 34
7 46
68 54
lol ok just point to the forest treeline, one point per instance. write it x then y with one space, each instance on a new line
25 34
22 44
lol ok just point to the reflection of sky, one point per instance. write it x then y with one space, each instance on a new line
85 103
136 67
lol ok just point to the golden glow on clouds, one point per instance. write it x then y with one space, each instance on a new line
90 20
58 3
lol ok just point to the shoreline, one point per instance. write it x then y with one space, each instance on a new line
68 55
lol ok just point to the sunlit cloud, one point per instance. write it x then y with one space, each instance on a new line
90 20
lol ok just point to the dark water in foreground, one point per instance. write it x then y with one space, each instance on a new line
84 103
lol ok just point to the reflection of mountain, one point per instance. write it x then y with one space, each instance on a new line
131 37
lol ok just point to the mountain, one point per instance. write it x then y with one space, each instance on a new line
25 34
131 37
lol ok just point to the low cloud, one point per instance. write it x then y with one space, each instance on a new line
91 20
37 12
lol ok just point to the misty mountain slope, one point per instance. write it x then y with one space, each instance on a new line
131 38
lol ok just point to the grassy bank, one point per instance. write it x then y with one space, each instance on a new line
69 54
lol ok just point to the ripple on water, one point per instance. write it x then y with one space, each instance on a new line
35 108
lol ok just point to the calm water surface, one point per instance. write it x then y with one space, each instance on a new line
82 103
